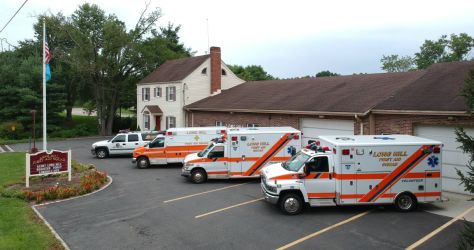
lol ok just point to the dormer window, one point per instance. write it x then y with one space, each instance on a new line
204 71
224 73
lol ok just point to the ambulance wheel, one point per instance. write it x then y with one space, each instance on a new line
101 153
405 202
143 162
291 204
198 176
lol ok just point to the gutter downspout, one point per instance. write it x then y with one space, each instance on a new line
361 129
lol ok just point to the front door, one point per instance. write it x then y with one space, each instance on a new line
319 182
158 122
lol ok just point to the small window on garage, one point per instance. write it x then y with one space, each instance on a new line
132 137
204 71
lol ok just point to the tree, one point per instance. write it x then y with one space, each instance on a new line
445 49
100 60
467 146
326 73
394 63
251 73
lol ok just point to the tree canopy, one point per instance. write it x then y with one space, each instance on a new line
251 72
445 49
96 60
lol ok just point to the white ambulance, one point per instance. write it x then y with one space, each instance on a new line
175 145
242 153
347 170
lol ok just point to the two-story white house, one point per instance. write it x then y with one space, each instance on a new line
162 94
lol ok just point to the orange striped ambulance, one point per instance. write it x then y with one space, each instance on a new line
175 145
242 153
346 170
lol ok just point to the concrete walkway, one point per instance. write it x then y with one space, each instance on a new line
452 205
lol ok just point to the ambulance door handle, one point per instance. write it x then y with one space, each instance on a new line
429 174
359 169
330 176
243 157
351 183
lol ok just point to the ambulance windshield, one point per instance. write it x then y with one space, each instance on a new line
206 150
296 162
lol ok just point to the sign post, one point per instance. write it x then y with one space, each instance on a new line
44 163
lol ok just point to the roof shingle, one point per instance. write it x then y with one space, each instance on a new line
174 70
436 88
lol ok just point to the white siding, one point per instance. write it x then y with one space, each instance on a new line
453 158
196 85
230 80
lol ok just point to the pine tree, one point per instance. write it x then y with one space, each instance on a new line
467 236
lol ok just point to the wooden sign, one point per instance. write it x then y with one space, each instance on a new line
44 163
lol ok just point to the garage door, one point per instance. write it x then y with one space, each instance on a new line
312 128
453 157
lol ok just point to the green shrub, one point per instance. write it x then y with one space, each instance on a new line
11 130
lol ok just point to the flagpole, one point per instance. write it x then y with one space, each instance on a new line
44 86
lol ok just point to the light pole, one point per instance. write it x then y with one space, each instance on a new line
33 114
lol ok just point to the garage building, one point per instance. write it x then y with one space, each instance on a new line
426 103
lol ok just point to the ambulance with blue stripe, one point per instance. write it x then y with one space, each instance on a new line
402 170
242 153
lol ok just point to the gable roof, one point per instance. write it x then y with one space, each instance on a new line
175 70
437 88
154 109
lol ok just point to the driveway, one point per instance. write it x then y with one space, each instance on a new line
156 208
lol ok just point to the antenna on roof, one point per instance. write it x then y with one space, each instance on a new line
207 25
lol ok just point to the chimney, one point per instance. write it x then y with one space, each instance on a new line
215 70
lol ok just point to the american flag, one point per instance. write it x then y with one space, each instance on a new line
48 54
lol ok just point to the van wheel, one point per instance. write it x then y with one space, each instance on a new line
198 176
143 162
291 204
101 153
405 202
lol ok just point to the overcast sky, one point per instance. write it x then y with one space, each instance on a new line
287 38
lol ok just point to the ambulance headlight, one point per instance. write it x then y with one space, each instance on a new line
270 187
188 164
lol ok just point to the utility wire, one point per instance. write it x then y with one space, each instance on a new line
13 16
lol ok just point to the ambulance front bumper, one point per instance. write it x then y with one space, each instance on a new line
185 172
272 198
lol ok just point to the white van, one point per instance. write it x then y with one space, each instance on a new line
241 153
347 170
175 145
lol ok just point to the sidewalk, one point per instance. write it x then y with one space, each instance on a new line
453 205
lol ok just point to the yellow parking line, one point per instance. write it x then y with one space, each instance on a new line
205 192
439 229
222 209
322 231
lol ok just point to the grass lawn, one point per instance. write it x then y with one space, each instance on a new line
20 228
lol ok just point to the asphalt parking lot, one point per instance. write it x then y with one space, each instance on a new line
156 208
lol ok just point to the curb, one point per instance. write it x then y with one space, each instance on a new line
56 235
